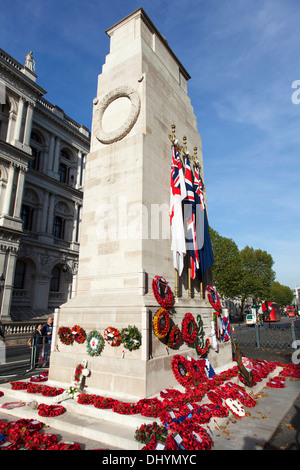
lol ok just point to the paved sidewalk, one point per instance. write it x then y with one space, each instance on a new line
256 429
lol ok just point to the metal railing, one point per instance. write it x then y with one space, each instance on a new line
20 359
270 335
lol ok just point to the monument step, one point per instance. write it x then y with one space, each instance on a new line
111 430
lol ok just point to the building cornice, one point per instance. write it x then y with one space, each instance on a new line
17 70
14 155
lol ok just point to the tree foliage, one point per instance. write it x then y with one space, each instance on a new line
282 295
258 274
227 268
246 273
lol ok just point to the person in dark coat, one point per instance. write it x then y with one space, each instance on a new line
47 333
37 341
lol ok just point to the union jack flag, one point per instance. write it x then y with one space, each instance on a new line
199 201
177 194
190 216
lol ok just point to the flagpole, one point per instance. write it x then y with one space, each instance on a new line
176 283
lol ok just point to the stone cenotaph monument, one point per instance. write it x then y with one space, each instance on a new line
125 239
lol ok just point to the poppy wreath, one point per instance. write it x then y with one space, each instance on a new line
79 334
150 407
19 385
188 329
10 446
215 397
48 391
203 351
162 292
276 382
181 369
213 298
198 369
237 392
151 445
235 407
125 408
4 427
94 343
161 323
112 336
291 370
86 399
65 446
217 411
78 372
184 371
189 437
50 410
103 403
43 377
41 441
150 432
65 335
131 338
174 337
34 388
202 438
21 429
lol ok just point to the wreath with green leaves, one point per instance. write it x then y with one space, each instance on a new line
65 335
131 338
94 343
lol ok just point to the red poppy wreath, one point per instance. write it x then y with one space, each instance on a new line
162 292
65 335
112 336
79 334
174 337
188 329
50 410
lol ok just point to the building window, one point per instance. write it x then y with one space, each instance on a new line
36 144
65 154
55 279
35 163
63 173
26 216
58 227
19 280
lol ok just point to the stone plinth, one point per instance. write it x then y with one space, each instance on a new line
125 235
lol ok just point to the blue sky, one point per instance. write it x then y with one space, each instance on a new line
243 57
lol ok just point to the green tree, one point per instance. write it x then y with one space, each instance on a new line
227 269
258 274
281 294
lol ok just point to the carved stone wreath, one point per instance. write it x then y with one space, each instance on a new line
122 131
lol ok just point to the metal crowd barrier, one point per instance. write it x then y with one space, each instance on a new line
18 360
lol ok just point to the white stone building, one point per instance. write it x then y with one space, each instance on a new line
42 159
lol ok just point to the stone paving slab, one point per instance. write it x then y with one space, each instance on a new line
254 430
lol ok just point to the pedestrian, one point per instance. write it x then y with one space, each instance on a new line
47 333
36 343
